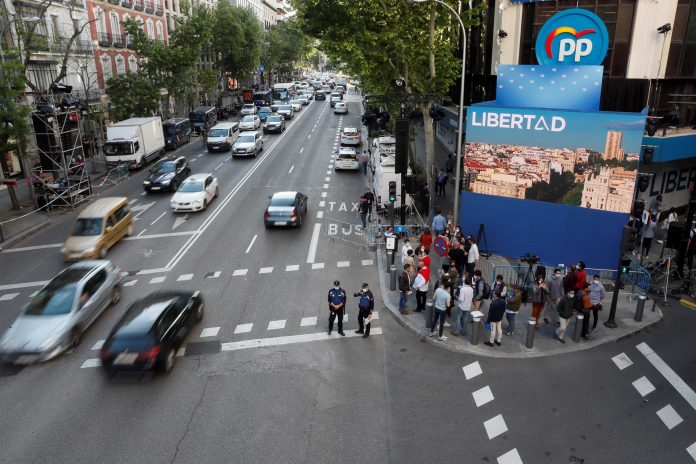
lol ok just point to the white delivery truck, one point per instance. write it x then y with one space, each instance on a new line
384 173
381 148
134 141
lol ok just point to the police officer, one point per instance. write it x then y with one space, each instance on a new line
366 304
337 306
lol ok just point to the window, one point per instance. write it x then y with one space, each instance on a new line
96 281
132 64
160 31
208 181
150 29
41 75
120 65
99 20
107 70
122 212
115 23
55 29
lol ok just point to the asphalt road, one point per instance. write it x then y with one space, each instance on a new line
268 386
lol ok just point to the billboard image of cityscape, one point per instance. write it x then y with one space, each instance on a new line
584 159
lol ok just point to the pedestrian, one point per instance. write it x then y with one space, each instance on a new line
581 276
365 305
498 286
456 254
656 206
461 312
512 307
453 278
441 183
538 299
495 318
554 287
479 289
426 239
648 234
472 257
565 312
408 259
570 280
439 223
597 294
362 209
337 306
424 194
449 165
406 246
404 287
441 301
421 284
671 217
364 159
370 198
586 308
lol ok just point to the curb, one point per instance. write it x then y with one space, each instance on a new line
31 230
484 350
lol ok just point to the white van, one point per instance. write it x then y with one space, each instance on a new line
222 136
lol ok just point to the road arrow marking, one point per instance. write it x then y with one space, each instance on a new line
141 209
180 220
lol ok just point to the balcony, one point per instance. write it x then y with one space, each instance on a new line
149 7
138 5
119 41
104 39
127 3
83 47
38 43
114 2
159 11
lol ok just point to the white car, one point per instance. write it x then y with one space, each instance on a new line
249 122
341 108
347 159
248 143
296 105
304 99
350 136
249 108
195 193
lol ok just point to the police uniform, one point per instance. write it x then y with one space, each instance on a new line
337 297
366 305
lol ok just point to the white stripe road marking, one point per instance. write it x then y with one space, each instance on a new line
317 265
328 172
643 386
243 328
143 194
343 264
291 168
326 186
323 194
8 296
327 179
288 340
320 214
158 218
275 325
482 396
93 362
169 234
130 283
292 267
472 370
511 457
670 417
215 275
266 270
367 262
98 345
184 277
228 158
210 332
151 271
495 426
322 204
218 166
669 374
692 450
622 361
307 321
309 136
313 244
301 150
157 280
32 248
181 352
251 244
192 160
141 232
200 154
23 285
240 272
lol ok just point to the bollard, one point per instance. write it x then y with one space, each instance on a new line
392 279
639 308
389 260
531 326
475 330
429 313
578 327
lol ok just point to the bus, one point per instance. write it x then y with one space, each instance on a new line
283 92
262 98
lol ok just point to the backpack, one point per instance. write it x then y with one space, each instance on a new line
364 300
485 290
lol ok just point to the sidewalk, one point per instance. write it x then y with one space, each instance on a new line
440 157
514 346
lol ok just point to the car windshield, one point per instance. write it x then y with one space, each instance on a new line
245 139
53 300
248 107
284 108
274 119
198 117
282 201
294 102
87 226
117 148
163 168
248 118
170 129
217 133
348 156
265 110
189 187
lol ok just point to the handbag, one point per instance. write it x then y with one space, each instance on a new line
489 326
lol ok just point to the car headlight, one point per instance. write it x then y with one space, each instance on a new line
146 182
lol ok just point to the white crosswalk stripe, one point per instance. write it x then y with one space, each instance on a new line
184 277
240 272
157 280
243 328
130 283
265 270
308 321
8 296
275 325
210 332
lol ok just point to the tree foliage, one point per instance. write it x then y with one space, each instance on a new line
285 44
132 95
236 40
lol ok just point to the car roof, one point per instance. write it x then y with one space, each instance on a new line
284 194
249 104
264 109
175 121
248 133
347 150
200 177
350 129
101 207
143 314
224 125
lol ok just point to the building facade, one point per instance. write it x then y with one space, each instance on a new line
612 148
610 190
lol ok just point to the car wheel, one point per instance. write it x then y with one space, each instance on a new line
205 205
216 192
174 186
102 252
299 224
199 312
129 231
116 295
169 361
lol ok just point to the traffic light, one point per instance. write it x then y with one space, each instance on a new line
629 239
392 191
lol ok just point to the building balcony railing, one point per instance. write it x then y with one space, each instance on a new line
149 7
38 43
104 39
138 5
159 11
82 46
127 3
119 41
114 2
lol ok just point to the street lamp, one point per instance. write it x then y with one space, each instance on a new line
461 106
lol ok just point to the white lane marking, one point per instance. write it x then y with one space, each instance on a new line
180 220
168 234
511 457
181 352
292 267
669 374
309 136
375 315
482 396
314 128
313 244
251 244
327 179
201 154
622 361
326 186
495 426
210 332
644 386
318 266
98 345
367 262
151 271
141 209
343 264
243 328
320 214
193 160
275 325
33 294
670 417
143 194
32 248
307 321
323 194
8 296
130 283
472 370
184 277
214 275
94 362
322 204
301 150
328 172
240 272
228 158
23 285
158 218
288 340
141 232
157 280
218 166
692 450
291 168
266 270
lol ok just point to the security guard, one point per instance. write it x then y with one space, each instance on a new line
366 305
337 306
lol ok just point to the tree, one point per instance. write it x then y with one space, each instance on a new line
285 44
132 95
236 40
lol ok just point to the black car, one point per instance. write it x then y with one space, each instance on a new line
320 96
167 174
177 131
285 209
274 123
151 332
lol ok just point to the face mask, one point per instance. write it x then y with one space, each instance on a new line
336 288
557 274
596 281
364 290
571 295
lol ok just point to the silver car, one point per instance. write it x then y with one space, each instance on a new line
56 317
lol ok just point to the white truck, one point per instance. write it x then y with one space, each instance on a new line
384 173
134 141
381 148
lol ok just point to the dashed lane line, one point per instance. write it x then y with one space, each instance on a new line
291 339
668 373
669 417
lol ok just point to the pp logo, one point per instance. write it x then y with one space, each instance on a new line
572 37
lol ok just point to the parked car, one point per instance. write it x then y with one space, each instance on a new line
264 112
286 111
249 108
350 136
57 316
274 123
347 159
222 136
285 209
341 108
248 143
177 131
195 193
167 174
151 331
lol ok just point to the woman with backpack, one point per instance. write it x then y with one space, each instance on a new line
512 307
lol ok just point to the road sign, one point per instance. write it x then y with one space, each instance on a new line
441 245
391 243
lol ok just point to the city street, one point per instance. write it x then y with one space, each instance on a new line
260 381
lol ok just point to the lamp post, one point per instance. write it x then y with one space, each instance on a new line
461 107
